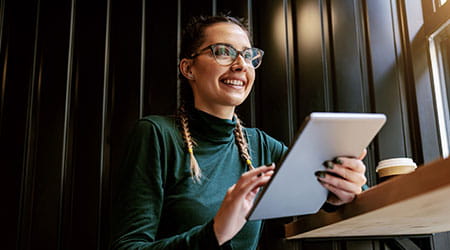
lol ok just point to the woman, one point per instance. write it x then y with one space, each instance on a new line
181 194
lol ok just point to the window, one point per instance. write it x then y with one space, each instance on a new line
440 64
439 3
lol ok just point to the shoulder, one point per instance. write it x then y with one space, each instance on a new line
270 144
156 124
256 133
158 121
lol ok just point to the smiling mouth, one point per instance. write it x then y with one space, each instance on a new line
234 82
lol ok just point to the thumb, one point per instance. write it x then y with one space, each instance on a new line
363 154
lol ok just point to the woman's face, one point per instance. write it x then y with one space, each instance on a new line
219 88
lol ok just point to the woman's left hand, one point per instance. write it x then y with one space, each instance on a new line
344 188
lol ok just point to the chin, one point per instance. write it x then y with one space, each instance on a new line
235 102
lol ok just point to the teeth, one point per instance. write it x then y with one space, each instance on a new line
234 82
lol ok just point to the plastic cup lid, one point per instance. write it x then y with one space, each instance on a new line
396 162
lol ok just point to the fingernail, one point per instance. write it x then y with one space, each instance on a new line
328 164
320 174
337 161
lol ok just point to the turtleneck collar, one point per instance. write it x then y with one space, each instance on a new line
210 128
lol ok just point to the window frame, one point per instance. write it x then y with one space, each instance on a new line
440 83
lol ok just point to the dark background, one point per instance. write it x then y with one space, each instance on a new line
76 75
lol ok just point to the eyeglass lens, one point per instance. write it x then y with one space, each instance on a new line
225 55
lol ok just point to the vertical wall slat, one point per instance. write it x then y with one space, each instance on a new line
65 201
53 42
290 67
348 93
312 69
124 75
386 85
16 55
143 52
105 194
123 92
160 91
271 81
82 182
27 187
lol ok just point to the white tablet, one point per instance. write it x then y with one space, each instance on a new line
294 189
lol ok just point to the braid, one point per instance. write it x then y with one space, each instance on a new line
195 168
242 143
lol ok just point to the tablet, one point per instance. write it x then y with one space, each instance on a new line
294 189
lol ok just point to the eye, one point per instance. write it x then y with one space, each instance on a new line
250 54
223 50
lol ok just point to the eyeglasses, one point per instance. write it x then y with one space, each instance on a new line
225 54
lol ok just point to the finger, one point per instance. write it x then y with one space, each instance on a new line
264 180
341 195
350 163
250 189
258 181
254 173
258 171
340 183
348 174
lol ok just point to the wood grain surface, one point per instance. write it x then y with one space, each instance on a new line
415 203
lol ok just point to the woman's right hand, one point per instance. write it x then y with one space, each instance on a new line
238 201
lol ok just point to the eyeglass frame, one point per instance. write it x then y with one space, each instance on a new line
238 52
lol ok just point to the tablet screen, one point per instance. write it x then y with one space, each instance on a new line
294 189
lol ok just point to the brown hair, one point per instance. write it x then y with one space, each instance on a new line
192 38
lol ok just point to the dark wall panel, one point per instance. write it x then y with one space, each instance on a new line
123 93
17 57
161 58
49 113
386 82
272 86
81 214
195 8
313 60
239 8
349 93
124 75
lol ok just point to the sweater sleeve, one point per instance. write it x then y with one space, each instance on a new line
140 197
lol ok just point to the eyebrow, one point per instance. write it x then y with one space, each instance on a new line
232 46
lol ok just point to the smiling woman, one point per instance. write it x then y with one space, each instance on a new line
177 193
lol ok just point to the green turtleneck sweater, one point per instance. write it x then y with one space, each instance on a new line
159 206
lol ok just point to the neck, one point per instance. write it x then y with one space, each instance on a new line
223 112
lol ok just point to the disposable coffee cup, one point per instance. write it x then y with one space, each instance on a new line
395 166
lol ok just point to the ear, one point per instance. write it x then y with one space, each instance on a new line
185 68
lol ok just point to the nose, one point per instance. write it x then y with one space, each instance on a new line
239 64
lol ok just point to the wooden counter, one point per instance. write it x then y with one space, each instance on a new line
416 203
